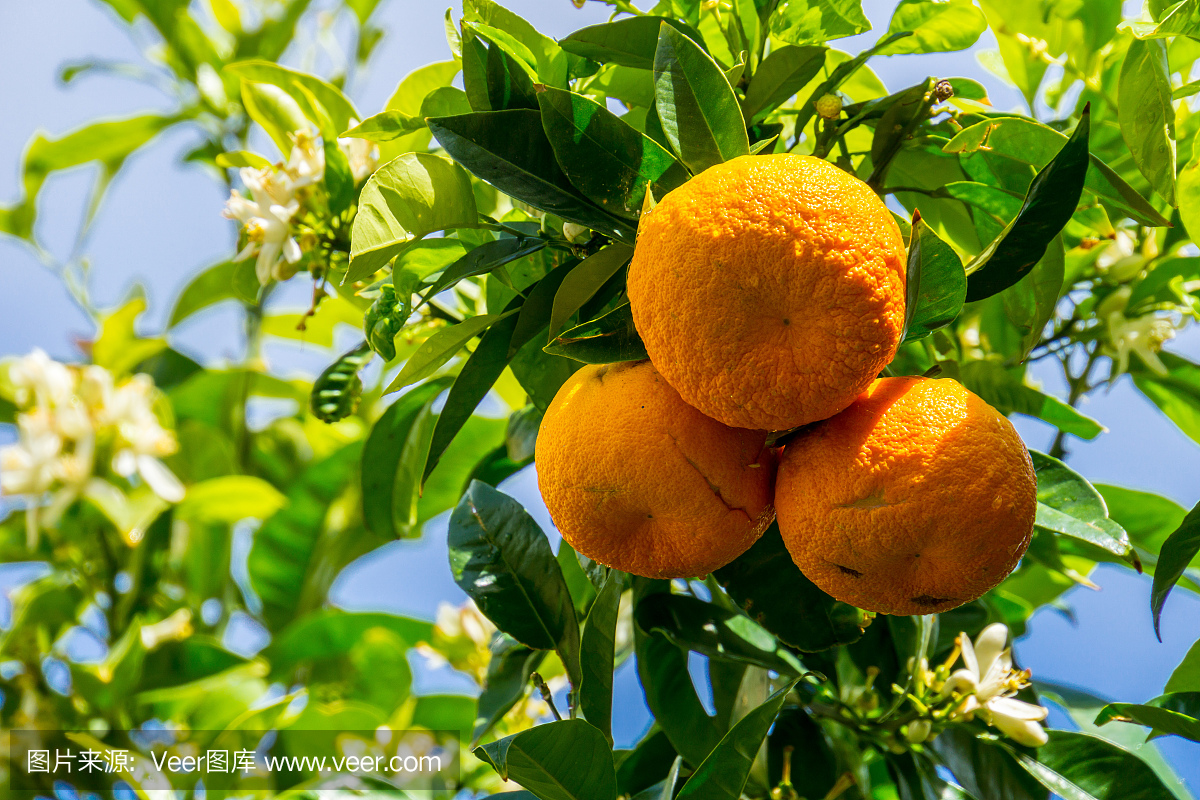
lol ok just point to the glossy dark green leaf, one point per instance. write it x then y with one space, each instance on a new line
404 200
1070 506
766 583
1026 141
663 672
1078 766
285 550
723 774
937 27
1029 304
1177 552
585 280
498 345
785 71
609 338
817 21
1010 395
509 74
984 768
611 163
1049 204
714 631
1177 394
937 283
565 760
1174 714
629 42
814 766
1146 116
696 105
506 682
390 457
482 260
596 655
646 764
509 150
502 560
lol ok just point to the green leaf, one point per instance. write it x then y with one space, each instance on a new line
386 126
629 42
785 71
502 560
1049 204
1030 302
714 631
766 583
1170 714
109 143
986 769
596 653
229 499
509 150
642 768
1008 394
723 774
663 672
814 766
1188 193
1182 21
565 760
495 350
937 283
1030 142
242 158
817 21
507 681
1070 506
391 462
440 348
585 280
220 282
285 553
937 27
1079 766
407 198
119 348
696 105
548 59
509 71
1177 394
329 632
609 338
611 163
1146 115
482 260
1177 552
301 86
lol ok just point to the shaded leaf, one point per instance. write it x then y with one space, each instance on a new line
1177 552
1146 116
1169 714
937 284
609 338
564 760
1010 395
596 654
507 681
629 42
585 280
785 71
1079 766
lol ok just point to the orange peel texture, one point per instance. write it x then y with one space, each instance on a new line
769 290
917 498
637 479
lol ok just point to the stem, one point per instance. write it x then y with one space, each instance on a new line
1079 387
540 683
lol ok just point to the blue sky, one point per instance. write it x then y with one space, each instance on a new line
161 222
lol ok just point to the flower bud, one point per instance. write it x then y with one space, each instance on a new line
576 234
917 731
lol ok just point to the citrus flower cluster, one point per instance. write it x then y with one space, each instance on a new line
278 193
985 687
73 423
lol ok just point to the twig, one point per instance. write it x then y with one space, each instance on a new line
540 683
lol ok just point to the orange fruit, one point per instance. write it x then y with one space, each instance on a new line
917 498
769 290
637 479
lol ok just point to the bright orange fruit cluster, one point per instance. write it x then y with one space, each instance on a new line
769 292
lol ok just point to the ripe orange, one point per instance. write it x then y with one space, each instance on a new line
917 498
637 479
769 290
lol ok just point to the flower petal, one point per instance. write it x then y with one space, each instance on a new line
160 479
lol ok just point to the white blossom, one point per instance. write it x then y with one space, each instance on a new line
989 681
362 154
